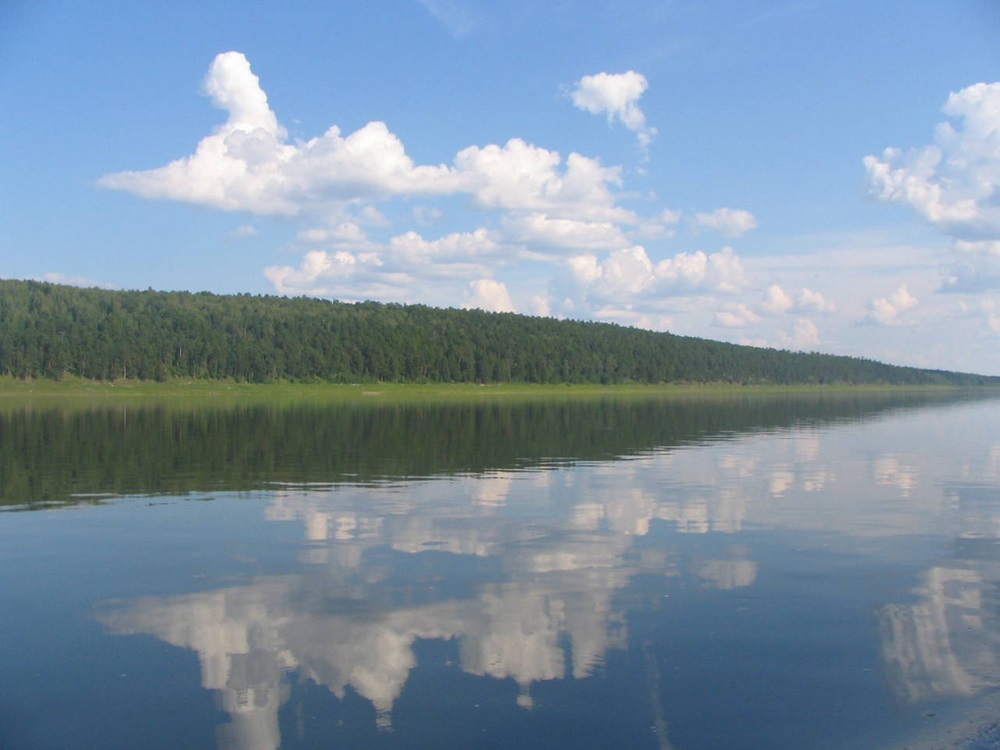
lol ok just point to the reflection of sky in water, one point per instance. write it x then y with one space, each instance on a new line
545 577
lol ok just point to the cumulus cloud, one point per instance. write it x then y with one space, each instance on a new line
317 267
539 229
629 274
776 301
669 216
952 183
886 310
659 226
346 232
616 95
540 305
361 269
721 271
458 253
488 294
731 222
247 164
626 272
805 335
523 177
233 87
736 316
814 301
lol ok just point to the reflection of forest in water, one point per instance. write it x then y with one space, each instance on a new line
537 577
51 453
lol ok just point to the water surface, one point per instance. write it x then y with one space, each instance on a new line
691 572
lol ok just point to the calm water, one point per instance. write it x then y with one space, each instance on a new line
686 573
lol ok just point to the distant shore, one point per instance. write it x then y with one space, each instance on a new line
187 388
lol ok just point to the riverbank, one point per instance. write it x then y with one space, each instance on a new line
14 389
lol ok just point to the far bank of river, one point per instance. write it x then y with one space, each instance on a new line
14 391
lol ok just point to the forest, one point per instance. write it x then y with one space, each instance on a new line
54 331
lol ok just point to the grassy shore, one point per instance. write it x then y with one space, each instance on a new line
15 391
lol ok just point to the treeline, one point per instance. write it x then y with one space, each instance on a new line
53 331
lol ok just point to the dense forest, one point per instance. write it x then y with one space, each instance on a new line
53 331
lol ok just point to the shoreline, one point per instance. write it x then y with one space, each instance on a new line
188 387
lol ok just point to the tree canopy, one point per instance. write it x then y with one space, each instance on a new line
53 331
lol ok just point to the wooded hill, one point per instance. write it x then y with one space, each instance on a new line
51 331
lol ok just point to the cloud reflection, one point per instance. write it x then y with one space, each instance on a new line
947 643
556 549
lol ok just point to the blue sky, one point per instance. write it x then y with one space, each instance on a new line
812 175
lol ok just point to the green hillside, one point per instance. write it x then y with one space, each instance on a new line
51 331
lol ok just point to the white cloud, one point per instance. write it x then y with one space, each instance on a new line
669 216
539 305
233 87
368 270
585 268
488 294
991 248
659 226
886 310
776 301
247 165
465 249
731 222
523 177
617 96
539 229
627 278
719 272
626 272
812 300
372 217
952 183
346 229
346 233
737 316
805 335
321 272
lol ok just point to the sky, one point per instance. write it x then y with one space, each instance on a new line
814 175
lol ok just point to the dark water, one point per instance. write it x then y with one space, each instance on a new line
740 572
